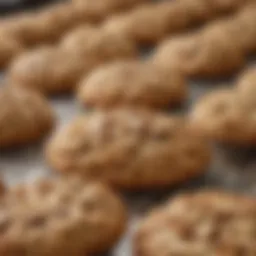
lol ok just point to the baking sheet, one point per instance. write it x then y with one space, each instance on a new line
231 169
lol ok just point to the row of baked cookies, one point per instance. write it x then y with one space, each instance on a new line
117 146
147 24
219 49
216 50
75 217
23 31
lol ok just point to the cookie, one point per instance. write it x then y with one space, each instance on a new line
57 69
149 23
25 117
130 149
60 217
95 43
47 70
199 223
226 116
132 83
205 54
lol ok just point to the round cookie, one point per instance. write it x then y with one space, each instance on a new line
130 149
132 83
200 223
48 70
60 217
206 54
226 116
25 117
96 43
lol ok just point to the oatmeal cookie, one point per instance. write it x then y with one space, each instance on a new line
131 149
149 23
199 223
25 117
227 116
205 54
60 217
132 83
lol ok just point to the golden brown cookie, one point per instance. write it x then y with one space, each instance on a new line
25 117
57 69
60 217
49 70
93 42
149 23
132 83
199 223
129 149
226 116
205 54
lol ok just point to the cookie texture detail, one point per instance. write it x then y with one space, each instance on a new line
129 149
201 223
59 217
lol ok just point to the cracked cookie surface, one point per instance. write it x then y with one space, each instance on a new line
200 223
59 217
131 149
132 83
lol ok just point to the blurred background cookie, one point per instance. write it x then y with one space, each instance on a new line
130 83
58 69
